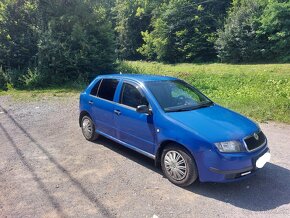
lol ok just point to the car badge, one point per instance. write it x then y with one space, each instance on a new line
256 136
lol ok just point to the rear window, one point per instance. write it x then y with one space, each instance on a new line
107 89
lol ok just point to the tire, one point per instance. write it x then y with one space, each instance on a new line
178 166
88 129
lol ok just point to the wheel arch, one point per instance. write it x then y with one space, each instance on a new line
82 114
166 143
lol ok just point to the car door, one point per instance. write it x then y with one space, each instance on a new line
134 128
102 106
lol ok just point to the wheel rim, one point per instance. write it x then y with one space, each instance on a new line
175 165
87 128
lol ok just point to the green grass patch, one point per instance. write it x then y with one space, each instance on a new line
39 94
260 91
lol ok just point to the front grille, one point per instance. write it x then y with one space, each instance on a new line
252 143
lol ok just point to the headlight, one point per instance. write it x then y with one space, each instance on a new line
229 146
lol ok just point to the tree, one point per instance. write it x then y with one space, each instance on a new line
18 33
275 27
132 17
238 40
76 40
183 31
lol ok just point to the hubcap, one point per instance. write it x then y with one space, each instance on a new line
175 165
87 128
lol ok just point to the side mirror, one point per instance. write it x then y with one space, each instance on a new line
143 109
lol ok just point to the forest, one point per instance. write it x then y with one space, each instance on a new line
55 42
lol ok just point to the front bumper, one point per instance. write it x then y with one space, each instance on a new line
216 167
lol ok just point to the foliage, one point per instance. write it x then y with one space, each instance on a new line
255 31
275 26
77 40
132 17
3 80
258 91
48 42
31 79
63 39
238 42
18 33
183 31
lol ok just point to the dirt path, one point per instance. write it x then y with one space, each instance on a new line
47 169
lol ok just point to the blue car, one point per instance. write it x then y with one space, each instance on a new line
170 121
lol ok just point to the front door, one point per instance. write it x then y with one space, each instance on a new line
134 128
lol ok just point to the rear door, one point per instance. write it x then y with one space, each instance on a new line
134 128
102 106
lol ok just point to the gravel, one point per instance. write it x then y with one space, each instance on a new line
48 169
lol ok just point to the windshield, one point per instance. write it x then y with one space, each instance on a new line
176 95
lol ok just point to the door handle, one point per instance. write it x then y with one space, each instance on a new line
91 102
117 112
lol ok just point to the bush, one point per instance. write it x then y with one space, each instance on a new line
238 41
18 33
53 42
31 79
256 31
275 27
77 40
3 80
183 31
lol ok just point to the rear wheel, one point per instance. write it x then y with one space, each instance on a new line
178 166
88 129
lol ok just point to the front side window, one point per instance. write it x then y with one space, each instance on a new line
176 95
132 97
107 89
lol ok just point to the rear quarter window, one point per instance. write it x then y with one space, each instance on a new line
107 89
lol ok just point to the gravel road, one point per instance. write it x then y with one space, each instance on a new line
48 169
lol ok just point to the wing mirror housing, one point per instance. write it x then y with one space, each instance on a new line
143 109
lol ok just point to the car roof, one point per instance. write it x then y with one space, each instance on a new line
137 77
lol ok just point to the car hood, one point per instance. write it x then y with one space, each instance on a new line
215 123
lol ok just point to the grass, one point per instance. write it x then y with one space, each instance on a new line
260 91
38 94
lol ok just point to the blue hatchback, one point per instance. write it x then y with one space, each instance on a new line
172 122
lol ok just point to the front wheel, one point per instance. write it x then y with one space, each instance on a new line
88 129
178 166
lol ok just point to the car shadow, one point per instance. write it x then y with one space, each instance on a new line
129 153
268 189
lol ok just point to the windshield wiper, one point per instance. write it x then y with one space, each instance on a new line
180 109
206 104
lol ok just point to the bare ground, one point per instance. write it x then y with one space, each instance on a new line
48 169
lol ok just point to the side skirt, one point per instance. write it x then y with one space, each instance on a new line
127 145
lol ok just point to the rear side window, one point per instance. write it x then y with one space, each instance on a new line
107 89
132 97
95 89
